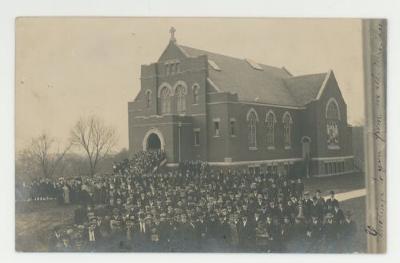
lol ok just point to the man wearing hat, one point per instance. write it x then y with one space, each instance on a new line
330 234
257 218
320 199
55 240
338 215
92 234
164 232
347 233
66 240
116 227
313 235
271 210
212 227
185 232
104 226
331 201
155 236
297 235
224 237
200 231
316 209
246 233
271 232
286 229
299 188
307 203
173 238
131 230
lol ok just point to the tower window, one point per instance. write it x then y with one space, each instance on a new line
196 94
196 137
180 99
232 127
165 100
216 128
148 98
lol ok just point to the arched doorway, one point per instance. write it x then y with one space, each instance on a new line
153 142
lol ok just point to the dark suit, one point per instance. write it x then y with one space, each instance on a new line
247 234
93 238
80 215
347 234
338 216
200 233
317 210
330 204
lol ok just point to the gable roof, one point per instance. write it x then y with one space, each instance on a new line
305 88
258 82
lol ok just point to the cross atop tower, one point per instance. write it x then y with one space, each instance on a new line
172 32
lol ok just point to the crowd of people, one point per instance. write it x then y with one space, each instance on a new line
197 209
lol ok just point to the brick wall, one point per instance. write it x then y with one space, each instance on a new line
308 121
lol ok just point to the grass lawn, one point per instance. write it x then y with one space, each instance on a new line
35 220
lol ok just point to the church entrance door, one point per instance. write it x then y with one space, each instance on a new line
153 142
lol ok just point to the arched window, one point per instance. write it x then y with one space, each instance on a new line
180 93
167 68
287 130
196 89
165 100
270 121
148 98
332 115
173 68
252 119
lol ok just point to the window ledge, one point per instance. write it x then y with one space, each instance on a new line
333 147
217 136
233 136
288 147
196 145
271 148
253 148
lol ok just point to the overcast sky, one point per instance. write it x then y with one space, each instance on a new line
72 67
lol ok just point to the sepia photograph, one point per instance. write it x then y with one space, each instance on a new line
211 135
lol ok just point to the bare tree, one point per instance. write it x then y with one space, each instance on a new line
43 155
95 138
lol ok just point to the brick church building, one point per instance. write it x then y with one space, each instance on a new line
199 105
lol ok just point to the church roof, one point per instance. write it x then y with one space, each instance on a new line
305 88
258 82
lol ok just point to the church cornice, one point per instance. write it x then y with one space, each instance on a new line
176 74
257 103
